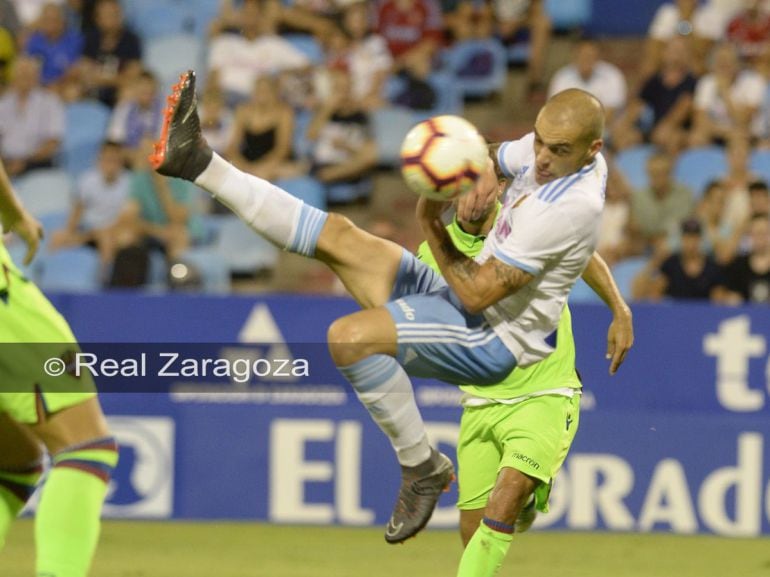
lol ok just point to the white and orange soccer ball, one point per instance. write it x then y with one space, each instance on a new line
443 157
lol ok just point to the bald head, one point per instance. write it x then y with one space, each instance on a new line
578 109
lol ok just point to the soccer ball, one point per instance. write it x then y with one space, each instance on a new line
443 157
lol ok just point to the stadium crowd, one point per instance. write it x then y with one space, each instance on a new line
316 95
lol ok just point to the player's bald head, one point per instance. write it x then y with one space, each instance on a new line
578 109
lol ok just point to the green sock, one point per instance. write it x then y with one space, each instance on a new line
16 487
68 518
485 552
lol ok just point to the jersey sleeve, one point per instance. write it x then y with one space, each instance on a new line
512 154
541 233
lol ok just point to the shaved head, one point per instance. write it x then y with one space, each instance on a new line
579 109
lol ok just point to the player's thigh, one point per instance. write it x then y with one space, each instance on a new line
478 457
366 264
360 335
18 446
73 425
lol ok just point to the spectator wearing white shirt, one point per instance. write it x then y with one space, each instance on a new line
239 59
602 79
728 101
31 120
368 57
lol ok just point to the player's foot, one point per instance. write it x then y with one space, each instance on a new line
526 516
421 486
181 151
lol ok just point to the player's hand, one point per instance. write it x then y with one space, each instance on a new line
429 210
475 206
28 229
620 339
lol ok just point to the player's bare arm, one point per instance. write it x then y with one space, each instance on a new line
477 286
620 336
16 219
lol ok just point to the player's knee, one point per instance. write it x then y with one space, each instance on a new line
346 342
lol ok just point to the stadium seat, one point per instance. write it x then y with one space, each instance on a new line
86 126
301 145
759 163
308 189
476 84
569 14
169 56
212 267
449 99
70 270
390 128
696 167
582 293
243 250
308 45
161 19
632 163
46 190
625 271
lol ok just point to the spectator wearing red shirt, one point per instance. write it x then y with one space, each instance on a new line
413 29
750 30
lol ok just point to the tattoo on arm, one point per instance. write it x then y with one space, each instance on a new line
510 277
465 268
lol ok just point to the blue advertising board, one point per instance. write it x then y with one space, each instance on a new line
677 441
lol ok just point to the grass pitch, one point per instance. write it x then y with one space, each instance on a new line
161 549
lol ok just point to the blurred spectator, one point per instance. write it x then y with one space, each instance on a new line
261 138
216 119
737 180
657 210
58 47
615 218
690 273
368 57
759 198
7 55
747 278
31 121
238 59
313 16
9 18
29 11
588 72
668 98
468 19
749 30
139 114
702 26
413 30
100 195
526 20
721 236
728 101
112 53
344 151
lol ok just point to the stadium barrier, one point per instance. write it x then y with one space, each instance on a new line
677 441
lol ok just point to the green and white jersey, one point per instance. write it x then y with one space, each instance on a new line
556 371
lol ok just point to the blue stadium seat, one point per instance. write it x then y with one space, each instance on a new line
696 167
212 267
169 56
203 13
242 249
45 190
301 145
163 18
569 14
308 45
308 189
632 163
759 163
582 293
390 127
625 271
459 59
86 127
70 270
448 97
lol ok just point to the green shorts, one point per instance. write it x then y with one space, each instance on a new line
532 436
31 332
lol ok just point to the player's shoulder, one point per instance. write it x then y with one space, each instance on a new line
590 181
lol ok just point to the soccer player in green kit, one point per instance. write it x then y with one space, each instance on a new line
62 413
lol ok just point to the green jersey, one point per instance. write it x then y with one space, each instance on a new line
557 370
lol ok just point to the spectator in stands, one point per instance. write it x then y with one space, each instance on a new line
9 20
668 96
312 16
602 79
468 19
100 195
657 210
31 121
759 198
728 101
749 30
216 119
690 273
139 114
112 53
58 47
413 30
747 278
261 138
239 59
721 236
344 151
616 215
368 56
702 26
526 20
737 180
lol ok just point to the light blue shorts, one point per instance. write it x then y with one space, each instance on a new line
437 337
